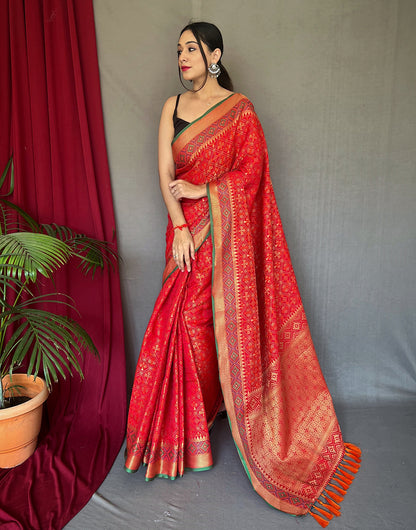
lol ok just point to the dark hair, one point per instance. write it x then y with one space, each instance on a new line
211 36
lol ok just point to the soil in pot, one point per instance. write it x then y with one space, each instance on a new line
14 401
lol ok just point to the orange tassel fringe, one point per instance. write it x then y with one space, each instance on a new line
334 496
352 448
350 468
338 489
346 475
325 513
331 502
323 522
343 476
329 508
353 456
341 482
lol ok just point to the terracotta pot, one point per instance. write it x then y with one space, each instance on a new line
20 425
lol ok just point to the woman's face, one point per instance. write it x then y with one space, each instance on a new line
190 59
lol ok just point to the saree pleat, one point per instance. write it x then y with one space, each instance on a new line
278 404
176 391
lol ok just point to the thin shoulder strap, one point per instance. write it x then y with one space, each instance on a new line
176 106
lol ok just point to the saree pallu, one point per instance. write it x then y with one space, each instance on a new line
279 407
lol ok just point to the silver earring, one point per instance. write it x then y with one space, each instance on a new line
214 70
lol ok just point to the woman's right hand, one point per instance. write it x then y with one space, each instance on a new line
183 249
182 189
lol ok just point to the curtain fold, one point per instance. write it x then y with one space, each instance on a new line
52 122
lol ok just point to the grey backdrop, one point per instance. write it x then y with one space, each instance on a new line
334 85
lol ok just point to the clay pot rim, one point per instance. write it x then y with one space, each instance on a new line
33 402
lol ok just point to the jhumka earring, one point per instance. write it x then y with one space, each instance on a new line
214 70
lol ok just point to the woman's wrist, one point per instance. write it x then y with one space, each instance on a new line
181 227
203 188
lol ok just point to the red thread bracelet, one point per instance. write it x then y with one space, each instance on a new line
180 227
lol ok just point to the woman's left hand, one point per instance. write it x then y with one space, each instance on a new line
183 249
182 189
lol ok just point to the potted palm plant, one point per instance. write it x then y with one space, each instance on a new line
33 335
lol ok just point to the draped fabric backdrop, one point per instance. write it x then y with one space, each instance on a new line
51 119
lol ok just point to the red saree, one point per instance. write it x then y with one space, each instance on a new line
279 408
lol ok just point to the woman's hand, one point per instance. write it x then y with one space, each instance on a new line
183 249
182 189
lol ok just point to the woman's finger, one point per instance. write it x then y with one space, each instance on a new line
176 192
180 260
188 260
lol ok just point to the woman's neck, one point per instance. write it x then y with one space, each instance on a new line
211 91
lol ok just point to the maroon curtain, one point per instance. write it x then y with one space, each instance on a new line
51 119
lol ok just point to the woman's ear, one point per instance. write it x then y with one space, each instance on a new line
216 55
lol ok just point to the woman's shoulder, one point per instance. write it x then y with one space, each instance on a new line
168 108
243 97
244 102
172 99
170 102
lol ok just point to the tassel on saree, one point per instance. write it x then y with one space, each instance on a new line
337 487
330 507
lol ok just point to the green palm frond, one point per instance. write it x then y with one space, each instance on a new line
4 218
44 299
8 284
3 177
55 342
92 253
43 340
14 219
61 232
27 254
10 221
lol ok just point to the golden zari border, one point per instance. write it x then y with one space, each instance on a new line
207 119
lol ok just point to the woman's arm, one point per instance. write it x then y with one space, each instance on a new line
183 247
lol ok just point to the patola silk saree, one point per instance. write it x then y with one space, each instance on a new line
234 329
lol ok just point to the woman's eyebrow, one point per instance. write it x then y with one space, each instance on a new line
189 42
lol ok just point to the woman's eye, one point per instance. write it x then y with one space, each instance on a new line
191 49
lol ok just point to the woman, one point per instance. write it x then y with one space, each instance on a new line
230 310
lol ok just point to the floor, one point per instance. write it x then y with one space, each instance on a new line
383 495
